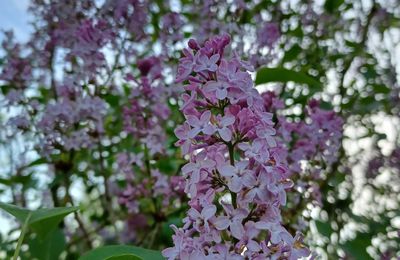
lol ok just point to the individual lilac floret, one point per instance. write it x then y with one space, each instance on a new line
200 125
204 63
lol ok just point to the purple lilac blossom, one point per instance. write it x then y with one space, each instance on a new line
234 157
145 117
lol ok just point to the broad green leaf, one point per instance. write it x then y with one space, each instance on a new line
124 257
47 248
6 182
42 221
352 44
5 89
107 252
324 228
332 5
337 179
267 75
19 213
22 179
368 104
381 89
358 246
166 165
112 100
326 105
292 53
298 32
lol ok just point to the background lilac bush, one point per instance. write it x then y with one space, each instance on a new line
205 130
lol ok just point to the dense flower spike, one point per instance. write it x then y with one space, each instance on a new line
310 148
145 118
236 178
316 138
75 121
146 113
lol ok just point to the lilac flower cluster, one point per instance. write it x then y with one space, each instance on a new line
17 70
315 139
171 30
162 190
131 15
309 146
256 43
148 109
90 38
145 117
380 161
236 178
268 35
73 122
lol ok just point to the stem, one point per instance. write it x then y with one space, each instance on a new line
249 215
79 239
231 153
52 78
77 218
83 229
107 204
364 36
21 237
115 65
153 236
232 161
147 160
68 198
148 172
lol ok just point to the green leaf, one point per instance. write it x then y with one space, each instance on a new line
326 105
351 44
19 213
124 257
42 221
381 89
112 100
358 246
5 89
6 182
110 252
324 228
267 75
47 248
166 165
368 104
337 179
167 231
332 5
292 53
298 32
37 162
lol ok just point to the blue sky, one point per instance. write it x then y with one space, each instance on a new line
13 15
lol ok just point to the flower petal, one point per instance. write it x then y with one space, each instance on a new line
209 212
222 223
225 133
